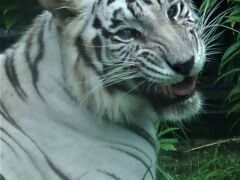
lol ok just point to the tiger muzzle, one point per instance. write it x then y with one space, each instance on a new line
172 94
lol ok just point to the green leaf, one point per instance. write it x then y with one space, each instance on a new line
235 11
166 175
236 70
9 6
231 52
232 19
234 91
166 147
207 4
166 131
10 20
235 108
235 0
168 140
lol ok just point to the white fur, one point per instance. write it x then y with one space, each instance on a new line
76 134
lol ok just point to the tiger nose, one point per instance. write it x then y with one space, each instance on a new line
185 67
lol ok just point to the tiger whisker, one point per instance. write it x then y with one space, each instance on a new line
109 82
132 89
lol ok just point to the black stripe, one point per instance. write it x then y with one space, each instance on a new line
34 66
13 78
9 145
138 5
106 33
142 133
67 92
99 2
135 148
24 150
109 2
97 43
2 177
116 12
6 116
82 52
187 14
51 165
93 7
55 169
148 2
135 157
150 68
181 6
12 121
130 8
84 174
124 53
159 2
115 23
97 24
38 59
113 176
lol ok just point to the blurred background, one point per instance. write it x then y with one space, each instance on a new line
218 126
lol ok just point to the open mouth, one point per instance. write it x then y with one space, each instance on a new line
172 94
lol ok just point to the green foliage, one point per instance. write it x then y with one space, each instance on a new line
230 64
16 14
229 68
207 4
165 144
211 164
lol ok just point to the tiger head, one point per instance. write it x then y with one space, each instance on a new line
150 49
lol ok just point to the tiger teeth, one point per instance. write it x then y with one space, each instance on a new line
170 92
165 90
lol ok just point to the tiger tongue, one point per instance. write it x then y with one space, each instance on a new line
184 88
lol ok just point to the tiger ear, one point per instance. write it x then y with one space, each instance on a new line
62 10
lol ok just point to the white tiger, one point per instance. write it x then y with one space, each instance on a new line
81 90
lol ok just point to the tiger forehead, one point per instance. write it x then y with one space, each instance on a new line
148 2
130 10
138 7
140 14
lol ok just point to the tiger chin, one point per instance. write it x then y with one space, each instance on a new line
81 90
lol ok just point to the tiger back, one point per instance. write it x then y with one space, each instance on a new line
82 89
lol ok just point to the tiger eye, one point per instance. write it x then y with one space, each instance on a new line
172 11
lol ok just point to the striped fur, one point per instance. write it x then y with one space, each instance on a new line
74 101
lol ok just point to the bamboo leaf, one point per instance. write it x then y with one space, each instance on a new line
235 108
207 4
231 52
170 140
166 147
10 20
7 7
234 91
166 131
232 19
236 70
